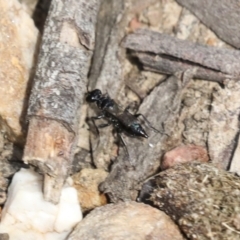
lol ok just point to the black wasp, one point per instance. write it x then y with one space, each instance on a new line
121 120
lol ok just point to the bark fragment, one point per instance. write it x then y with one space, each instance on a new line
59 88
163 53
126 174
166 65
48 147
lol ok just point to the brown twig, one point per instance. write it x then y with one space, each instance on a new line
59 88
164 53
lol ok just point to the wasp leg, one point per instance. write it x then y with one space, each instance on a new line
124 143
96 127
148 123
104 125
96 118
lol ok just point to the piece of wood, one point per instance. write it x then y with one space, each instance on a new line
58 90
165 53
107 69
48 147
161 108
107 66
163 64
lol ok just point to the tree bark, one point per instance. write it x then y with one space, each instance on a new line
58 90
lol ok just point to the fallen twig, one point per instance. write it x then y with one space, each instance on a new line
166 54
59 88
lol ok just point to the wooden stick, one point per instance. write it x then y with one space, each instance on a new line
170 66
162 53
59 88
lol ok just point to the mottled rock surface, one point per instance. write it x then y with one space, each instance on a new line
86 183
18 39
130 220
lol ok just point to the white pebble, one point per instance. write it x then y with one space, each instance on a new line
26 215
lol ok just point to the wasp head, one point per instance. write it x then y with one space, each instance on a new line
93 96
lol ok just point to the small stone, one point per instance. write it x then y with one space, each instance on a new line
26 215
184 154
128 220
134 24
86 183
